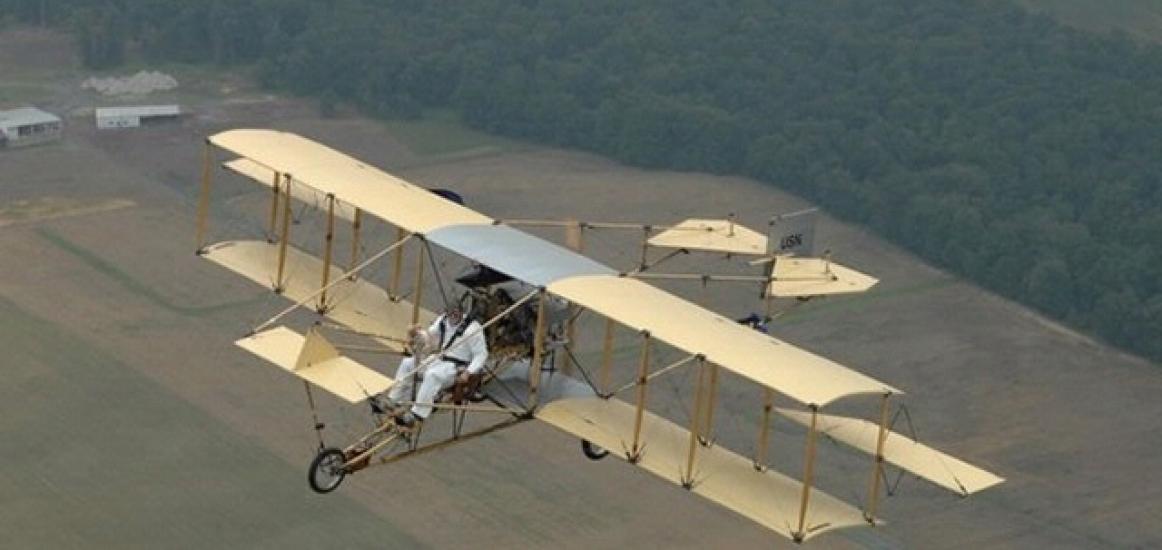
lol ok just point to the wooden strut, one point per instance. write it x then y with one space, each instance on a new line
368 349
538 352
657 373
328 241
877 463
707 435
640 271
605 378
766 293
273 221
700 277
635 451
575 241
384 427
318 426
349 330
204 199
397 268
284 237
760 459
695 413
418 289
808 475
644 264
356 226
444 443
371 450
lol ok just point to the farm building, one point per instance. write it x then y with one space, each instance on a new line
132 117
28 126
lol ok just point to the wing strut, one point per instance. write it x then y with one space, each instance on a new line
760 461
688 478
204 199
272 220
356 225
607 358
538 351
878 462
642 379
284 238
808 476
328 241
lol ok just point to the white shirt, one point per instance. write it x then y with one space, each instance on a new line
470 346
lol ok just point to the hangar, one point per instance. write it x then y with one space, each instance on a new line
28 126
135 116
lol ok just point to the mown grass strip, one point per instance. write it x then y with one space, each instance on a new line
131 284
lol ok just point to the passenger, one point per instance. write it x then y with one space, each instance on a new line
459 350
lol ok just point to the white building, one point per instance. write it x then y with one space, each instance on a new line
132 117
28 126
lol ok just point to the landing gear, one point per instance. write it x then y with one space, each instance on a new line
593 452
327 470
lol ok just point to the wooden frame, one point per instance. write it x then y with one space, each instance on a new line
204 198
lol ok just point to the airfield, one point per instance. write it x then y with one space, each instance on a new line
130 420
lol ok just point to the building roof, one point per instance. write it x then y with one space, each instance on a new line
25 116
139 111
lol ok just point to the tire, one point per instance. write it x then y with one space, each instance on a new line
593 452
327 471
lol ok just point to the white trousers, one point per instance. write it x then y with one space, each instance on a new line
437 376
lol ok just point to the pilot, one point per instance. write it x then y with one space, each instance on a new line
458 349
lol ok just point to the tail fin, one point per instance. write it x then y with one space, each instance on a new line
793 233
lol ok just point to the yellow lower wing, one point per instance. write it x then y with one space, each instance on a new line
728 479
315 360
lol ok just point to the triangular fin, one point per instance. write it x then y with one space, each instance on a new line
316 349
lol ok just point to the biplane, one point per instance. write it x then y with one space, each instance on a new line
527 294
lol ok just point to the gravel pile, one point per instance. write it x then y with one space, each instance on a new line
142 83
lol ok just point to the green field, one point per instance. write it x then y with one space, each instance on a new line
119 461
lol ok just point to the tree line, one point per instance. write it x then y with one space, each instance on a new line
1018 153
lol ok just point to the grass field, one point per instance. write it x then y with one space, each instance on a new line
119 461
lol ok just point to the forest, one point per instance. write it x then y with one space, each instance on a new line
995 143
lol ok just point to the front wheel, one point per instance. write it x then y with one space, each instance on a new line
592 451
327 470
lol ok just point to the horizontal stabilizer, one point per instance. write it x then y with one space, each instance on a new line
768 498
300 192
804 277
712 236
946 471
355 302
315 360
